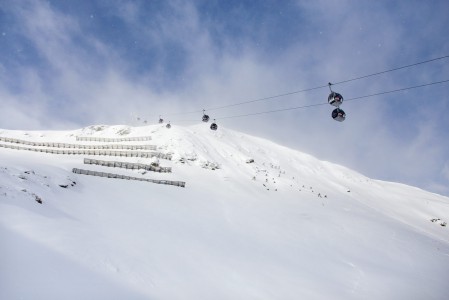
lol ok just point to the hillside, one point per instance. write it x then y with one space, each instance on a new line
255 220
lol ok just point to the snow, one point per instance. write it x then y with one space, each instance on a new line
286 226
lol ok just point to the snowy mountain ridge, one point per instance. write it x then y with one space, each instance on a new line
255 221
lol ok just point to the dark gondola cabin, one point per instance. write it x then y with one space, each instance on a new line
168 125
335 99
338 115
205 117
161 120
213 126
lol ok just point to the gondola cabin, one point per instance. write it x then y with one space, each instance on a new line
338 115
168 125
213 126
205 117
335 99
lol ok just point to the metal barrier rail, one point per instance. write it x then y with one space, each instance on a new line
118 176
109 140
77 146
126 165
94 152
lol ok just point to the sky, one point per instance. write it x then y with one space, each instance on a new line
70 64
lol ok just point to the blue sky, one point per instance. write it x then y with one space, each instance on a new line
68 64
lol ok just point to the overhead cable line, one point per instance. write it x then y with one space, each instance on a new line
391 70
313 88
325 103
398 90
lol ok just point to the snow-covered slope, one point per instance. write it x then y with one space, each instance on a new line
255 221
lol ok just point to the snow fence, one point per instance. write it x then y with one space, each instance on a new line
113 140
94 152
77 146
118 176
126 165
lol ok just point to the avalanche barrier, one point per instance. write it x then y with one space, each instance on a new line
127 165
77 146
94 152
113 140
118 176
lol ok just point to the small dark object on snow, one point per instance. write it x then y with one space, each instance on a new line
38 199
64 185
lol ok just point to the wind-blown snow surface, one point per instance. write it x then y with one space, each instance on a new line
286 226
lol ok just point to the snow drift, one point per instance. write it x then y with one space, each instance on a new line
255 220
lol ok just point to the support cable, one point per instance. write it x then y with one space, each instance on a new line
312 88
